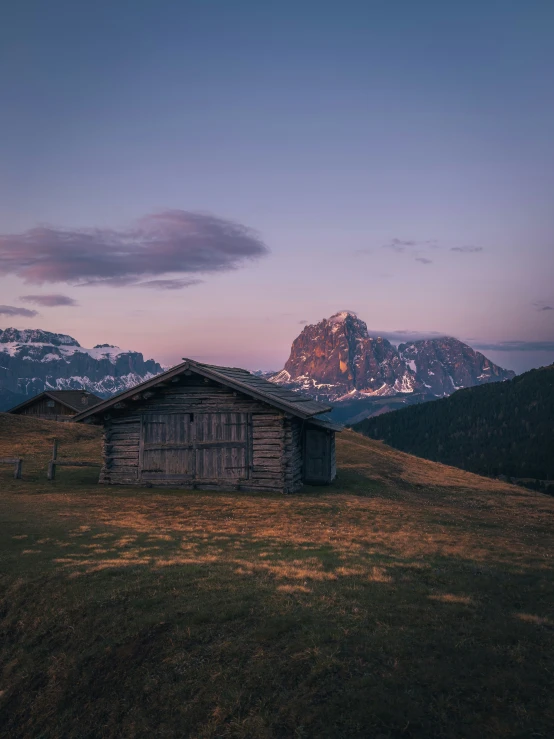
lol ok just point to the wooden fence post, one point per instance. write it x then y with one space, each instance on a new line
55 462
52 464
17 465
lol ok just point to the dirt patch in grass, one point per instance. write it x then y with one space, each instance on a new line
408 600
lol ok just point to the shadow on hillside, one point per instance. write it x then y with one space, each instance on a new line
223 635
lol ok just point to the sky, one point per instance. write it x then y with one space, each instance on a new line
201 178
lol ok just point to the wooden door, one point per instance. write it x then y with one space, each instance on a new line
317 456
167 446
222 444
195 446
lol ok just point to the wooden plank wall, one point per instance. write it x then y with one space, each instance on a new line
293 454
268 449
40 408
333 456
121 450
276 455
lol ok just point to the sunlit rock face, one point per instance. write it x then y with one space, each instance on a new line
337 360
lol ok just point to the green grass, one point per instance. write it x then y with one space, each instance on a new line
408 600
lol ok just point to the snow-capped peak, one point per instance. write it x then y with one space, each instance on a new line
109 351
35 336
34 360
341 316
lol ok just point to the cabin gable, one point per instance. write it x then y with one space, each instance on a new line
56 405
45 407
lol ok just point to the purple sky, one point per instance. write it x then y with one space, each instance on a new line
198 179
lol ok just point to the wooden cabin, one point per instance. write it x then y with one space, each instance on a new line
198 425
57 405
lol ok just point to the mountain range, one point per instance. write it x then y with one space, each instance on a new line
33 360
337 360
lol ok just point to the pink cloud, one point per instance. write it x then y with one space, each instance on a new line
171 242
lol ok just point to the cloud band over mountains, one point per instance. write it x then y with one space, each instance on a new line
172 242
517 346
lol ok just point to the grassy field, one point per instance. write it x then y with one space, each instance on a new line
407 600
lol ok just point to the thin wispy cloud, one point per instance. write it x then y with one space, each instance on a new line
540 306
168 284
411 246
402 245
11 310
172 242
49 301
406 336
467 249
424 260
518 346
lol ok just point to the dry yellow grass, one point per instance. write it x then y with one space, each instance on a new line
32 438
409 599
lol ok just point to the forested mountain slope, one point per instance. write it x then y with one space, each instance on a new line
503 428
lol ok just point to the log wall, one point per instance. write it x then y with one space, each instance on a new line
294 454
333 457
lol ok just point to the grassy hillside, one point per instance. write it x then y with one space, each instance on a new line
504 428
408 600
32 438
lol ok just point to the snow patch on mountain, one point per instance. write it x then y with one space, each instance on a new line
56 352
35 336
33 360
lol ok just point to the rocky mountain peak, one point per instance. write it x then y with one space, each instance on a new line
337 360
447 364
347 321
35 336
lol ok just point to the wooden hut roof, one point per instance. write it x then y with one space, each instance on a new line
72 399
238 379
326 423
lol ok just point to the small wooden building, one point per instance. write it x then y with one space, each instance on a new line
198 425
57 405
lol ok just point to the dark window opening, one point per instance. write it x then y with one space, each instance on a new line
191 417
